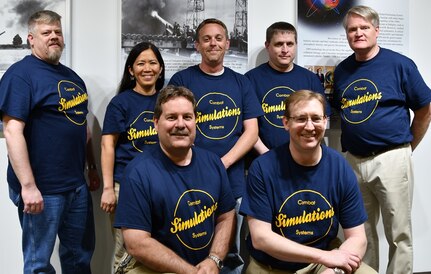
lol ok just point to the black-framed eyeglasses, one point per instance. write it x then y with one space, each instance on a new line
302 120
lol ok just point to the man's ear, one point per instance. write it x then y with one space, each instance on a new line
285 123
156 123
30 39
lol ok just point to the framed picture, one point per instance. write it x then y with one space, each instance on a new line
13 28
172 28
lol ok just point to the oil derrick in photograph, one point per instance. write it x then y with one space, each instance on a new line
195 13
239 35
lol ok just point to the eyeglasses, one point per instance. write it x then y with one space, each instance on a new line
302 120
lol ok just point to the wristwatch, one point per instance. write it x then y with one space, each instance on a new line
338 271
218 262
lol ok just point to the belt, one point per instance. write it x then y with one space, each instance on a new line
379 151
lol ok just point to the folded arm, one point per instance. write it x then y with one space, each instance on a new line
282 248
154 254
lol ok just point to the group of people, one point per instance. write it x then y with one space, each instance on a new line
172 157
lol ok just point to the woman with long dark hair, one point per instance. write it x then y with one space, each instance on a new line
128 125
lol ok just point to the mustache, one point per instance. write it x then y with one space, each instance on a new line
179 133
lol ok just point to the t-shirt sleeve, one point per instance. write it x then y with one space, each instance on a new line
15 97
176 79
255 202
227 200
252 107
134 209
418 94
115 120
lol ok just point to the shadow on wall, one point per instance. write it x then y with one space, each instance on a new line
102 258
262 57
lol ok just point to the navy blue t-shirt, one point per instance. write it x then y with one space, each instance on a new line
178 205
52 101
223 103
130 115
272 88
304 204
374 98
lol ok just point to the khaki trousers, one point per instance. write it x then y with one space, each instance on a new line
257 268
386 183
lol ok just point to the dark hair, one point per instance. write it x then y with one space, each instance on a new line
280 27
170 92
303 95
211 21
126 81
42 16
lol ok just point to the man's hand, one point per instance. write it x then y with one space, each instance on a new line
207 266
343 259
32 199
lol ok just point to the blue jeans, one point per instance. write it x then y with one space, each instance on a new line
68 215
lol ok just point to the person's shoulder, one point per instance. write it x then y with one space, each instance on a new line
231 74
303 70
121 97
24 69
23 64
346 63
332 154
188 70
257 70
348 59
147 158
200 153
272 156
228 70
394 56
181 77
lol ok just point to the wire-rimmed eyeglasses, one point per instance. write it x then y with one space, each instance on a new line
302 120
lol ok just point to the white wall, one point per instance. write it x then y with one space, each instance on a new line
95 56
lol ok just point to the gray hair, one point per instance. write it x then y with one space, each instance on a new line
43 16
366 12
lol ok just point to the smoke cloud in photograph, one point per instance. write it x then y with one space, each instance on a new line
14 16
138 16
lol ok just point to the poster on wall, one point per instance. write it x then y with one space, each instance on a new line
322 40
171 26
13 28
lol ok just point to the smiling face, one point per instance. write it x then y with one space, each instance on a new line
305 136
47 42
212 44
361 35
281 50
146 69
176 126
